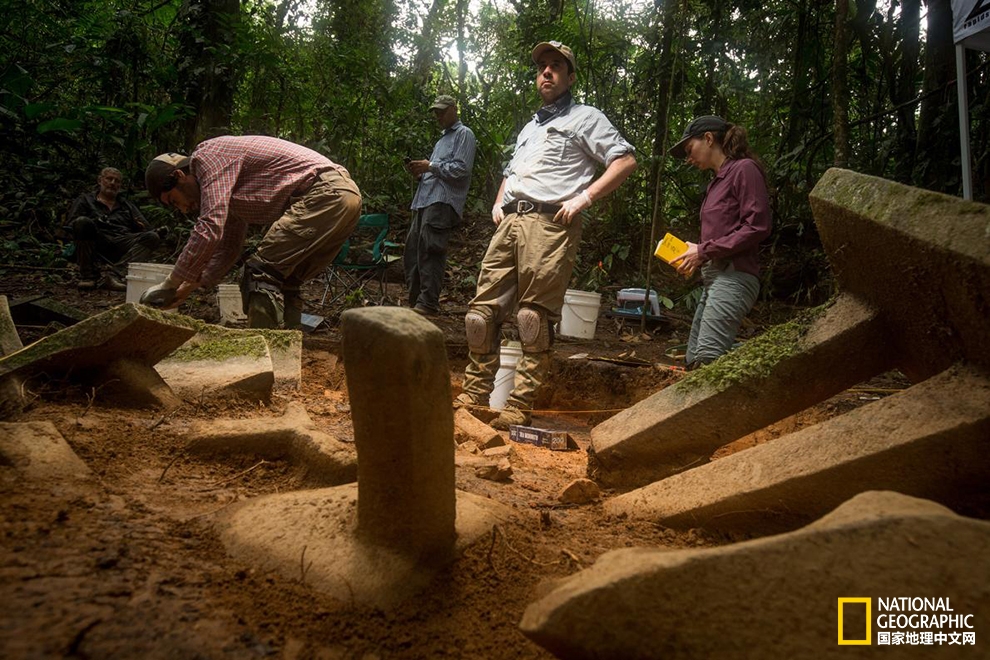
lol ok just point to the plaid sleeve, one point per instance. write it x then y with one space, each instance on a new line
216 175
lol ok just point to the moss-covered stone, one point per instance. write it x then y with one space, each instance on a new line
220 348
757 358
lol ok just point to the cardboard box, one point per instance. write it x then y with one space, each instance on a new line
553 440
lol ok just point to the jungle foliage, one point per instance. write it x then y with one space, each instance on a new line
89 83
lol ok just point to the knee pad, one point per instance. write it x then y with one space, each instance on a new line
254 280
482 331
534 330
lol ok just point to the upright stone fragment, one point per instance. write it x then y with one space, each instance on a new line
776 597
399 386
930 441
384 540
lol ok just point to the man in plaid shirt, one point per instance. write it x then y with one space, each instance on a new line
310 202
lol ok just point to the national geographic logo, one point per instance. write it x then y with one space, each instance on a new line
903 620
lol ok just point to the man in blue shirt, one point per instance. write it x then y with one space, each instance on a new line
438 206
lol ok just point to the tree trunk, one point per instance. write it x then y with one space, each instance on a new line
907 88
840 85
938 133
209 66
426 53
798 111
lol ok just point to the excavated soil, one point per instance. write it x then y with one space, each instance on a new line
132 567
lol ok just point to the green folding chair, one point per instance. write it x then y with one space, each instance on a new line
364 257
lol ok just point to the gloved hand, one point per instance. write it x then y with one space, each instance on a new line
572 207
161 295
498 215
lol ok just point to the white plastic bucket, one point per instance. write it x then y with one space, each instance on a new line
230 303
505 378
141 277
579 316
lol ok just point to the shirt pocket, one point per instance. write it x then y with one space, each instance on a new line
559 145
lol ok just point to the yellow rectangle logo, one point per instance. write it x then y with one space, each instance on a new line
855 642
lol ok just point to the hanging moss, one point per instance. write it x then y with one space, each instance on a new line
757 358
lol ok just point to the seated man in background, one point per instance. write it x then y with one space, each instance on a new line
109 228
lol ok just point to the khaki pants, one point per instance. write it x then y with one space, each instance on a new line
308 236
528 264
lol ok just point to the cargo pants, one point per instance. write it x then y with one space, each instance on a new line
528 263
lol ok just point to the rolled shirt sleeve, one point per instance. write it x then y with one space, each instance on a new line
557 159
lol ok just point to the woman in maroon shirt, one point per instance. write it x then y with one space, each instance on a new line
735 218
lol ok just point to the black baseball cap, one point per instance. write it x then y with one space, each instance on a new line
699 126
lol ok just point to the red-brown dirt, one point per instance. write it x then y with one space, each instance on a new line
134 569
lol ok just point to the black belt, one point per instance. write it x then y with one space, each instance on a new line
526 206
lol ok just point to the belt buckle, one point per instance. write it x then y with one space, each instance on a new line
529 206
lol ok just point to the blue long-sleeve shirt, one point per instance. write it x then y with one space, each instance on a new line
449 176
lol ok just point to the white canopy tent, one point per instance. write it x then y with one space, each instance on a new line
970 29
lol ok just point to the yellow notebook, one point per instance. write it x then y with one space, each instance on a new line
670 248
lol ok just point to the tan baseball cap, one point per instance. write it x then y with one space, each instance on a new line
158 175
544 46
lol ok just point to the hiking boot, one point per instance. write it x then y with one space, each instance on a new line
111 282
511 416
422 310
475 406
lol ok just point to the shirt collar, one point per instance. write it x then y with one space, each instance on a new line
548 112
453 127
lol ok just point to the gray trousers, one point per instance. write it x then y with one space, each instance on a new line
425 254
727 298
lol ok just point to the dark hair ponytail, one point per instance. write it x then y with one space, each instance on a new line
735 144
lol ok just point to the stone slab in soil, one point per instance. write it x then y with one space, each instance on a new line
679 427
929 441
468 428
209 366
36 453
10 341
292 437
775 597
113 351
41 311
284 346
312 536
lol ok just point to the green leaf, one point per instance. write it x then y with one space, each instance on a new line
60 124
34 110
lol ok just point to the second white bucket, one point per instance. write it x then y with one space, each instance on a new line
505 378
579 317
141 277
